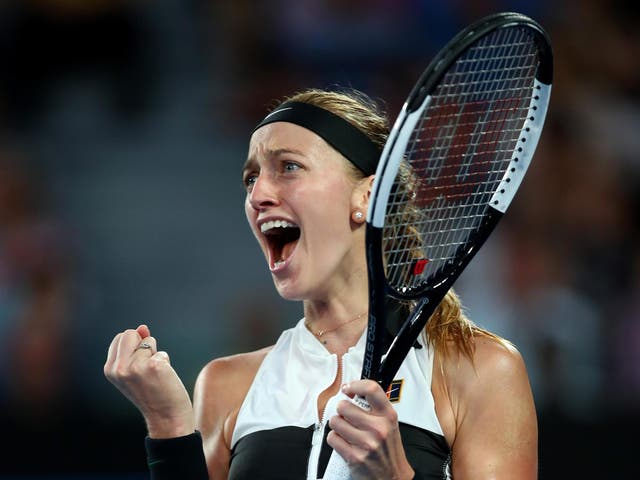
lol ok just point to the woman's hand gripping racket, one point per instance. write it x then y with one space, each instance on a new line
451 166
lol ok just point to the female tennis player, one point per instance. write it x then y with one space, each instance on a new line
459 407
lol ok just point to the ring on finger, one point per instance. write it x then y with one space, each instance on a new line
143 346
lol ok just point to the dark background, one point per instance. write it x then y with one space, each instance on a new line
123 128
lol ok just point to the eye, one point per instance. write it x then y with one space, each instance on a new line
249 179
290 166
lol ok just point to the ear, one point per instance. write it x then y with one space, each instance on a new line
360 198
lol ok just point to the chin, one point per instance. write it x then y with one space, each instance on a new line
288 291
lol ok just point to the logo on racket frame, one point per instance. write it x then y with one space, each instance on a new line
394 391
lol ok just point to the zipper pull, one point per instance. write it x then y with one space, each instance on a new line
314 453
318 433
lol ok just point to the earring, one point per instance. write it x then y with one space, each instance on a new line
358 216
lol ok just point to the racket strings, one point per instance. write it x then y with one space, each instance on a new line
457 155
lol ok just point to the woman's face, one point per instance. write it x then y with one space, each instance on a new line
299 201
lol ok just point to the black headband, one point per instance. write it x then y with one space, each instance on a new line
337 132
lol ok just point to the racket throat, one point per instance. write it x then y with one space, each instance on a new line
404 340
377 324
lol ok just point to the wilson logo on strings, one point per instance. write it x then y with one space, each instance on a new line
418 266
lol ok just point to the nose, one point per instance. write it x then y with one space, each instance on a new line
264 193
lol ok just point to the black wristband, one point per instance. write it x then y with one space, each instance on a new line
178 458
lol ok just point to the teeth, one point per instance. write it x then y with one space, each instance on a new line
266 226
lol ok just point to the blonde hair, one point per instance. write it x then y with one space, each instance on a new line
448 327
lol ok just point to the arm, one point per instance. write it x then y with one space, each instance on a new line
219 392
211 417
493 413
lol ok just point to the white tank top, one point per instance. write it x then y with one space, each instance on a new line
293 374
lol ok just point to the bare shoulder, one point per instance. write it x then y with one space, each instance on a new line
497 357
229 376
242 364
219 392
494 361
492 418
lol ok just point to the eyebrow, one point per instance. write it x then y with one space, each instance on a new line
271 154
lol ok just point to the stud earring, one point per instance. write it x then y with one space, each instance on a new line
358 216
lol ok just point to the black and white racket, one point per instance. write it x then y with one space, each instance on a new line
451 166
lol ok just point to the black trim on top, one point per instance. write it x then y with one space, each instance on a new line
282 453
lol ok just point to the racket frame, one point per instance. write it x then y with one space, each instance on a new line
418 100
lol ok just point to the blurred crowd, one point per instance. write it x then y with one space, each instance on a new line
123 125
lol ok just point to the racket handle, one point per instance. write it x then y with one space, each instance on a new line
337 468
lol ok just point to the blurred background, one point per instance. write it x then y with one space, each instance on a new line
123 128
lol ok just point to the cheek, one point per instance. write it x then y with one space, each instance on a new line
332 199
250 215
249 211
331 219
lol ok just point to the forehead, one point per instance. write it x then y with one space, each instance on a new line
287 137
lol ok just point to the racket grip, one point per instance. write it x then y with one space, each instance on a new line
337 468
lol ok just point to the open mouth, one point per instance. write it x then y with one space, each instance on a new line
282 237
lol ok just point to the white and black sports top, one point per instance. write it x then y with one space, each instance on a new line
278 433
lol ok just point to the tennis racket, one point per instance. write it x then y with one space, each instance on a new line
452 164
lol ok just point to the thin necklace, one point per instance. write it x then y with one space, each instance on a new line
320 333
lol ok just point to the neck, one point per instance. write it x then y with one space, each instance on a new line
337 328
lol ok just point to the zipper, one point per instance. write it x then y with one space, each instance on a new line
316 448
320 427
